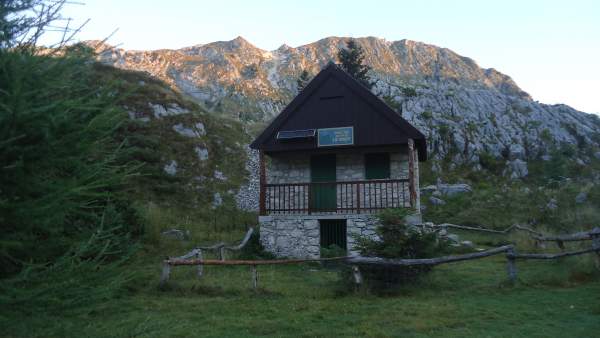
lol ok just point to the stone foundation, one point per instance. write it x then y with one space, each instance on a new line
297 236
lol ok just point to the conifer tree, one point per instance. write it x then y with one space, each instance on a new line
303 80
352 61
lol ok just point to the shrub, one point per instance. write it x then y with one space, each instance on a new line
398 240
254 249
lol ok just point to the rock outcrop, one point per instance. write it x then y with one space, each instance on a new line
463 109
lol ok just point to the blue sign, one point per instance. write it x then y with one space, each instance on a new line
342 136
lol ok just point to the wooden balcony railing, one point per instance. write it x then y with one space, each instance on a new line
336 197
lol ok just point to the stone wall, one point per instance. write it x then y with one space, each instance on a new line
297 236
349 167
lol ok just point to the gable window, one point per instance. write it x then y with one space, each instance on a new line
377 166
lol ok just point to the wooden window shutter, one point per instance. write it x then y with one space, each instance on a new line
377 166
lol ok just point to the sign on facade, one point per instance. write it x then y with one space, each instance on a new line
341 136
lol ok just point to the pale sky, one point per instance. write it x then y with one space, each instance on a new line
550 48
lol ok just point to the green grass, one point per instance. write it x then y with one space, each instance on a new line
472 299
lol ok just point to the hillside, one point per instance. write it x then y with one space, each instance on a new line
465 110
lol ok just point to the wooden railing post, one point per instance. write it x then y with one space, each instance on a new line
595 235
310 203
358 198
166 272
254 277
411 173
200 266
357 276
511 266
262 182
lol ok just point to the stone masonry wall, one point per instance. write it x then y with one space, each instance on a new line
297 236
349 167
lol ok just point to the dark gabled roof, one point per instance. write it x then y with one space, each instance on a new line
375 123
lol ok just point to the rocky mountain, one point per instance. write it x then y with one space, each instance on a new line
466 111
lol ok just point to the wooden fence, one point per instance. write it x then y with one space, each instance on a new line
356 261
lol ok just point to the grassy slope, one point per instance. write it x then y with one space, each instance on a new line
498 202
183 201
458 300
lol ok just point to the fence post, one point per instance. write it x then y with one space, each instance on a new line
166 271
511 266
254 277
595 235
357 276
412 188
200 266
222 252
262 177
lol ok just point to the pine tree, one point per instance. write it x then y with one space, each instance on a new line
303 80
352 58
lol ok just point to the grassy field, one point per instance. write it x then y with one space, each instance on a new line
472 299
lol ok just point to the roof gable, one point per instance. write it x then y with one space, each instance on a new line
335 99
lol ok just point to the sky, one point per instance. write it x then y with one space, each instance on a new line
550 48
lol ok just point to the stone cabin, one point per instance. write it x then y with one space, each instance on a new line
333 158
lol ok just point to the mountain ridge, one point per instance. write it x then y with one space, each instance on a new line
465 110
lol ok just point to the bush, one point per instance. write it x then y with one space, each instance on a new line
398 240
254 249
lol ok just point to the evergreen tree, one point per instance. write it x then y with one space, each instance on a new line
352 58
303 80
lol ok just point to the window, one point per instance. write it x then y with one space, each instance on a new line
377 166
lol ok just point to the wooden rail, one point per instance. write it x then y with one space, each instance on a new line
357 261
336 197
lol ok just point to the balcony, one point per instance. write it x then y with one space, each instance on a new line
342 197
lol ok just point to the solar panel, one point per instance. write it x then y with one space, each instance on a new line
295 134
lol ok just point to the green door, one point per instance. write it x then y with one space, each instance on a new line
323 196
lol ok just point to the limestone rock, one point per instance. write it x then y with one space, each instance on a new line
197 131
454 189
171 168
219 175
202 153
516 169
552 204
467 244
176 234
581 197
217 200
161 111
428 189
436 201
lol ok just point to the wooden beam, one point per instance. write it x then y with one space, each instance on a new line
263 182
427 261
175 262
411 174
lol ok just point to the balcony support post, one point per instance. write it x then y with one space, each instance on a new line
263 183
412 187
